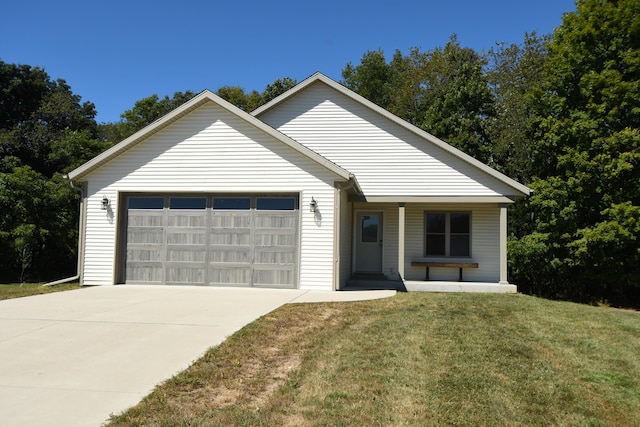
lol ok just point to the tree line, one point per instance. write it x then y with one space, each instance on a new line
559 113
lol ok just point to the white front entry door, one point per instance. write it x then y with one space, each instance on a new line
369 242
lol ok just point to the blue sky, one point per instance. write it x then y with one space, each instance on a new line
115 52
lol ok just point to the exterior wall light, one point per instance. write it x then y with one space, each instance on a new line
313 206
105 203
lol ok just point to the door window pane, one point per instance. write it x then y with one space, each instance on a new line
188 203
235 203
276 203
146 202
369 228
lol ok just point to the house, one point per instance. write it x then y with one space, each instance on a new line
308 190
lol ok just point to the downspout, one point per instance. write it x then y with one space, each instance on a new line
336 238
337 225
81 223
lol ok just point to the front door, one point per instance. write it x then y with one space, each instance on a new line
369 242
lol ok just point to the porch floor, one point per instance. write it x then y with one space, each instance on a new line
439 286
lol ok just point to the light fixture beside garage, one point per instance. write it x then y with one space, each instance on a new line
313 206
105 203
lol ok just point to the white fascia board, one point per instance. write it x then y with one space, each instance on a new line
523 190
437 199
192 104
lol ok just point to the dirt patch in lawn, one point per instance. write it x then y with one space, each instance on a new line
236 375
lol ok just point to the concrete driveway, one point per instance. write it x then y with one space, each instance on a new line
73 358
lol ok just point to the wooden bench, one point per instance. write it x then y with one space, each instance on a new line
459 265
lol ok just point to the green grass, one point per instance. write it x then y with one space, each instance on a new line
18 290
415 359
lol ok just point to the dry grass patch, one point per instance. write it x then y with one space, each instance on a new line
415 359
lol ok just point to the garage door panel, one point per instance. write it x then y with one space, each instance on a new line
230 219
145 235
241 237
270 276
276 256
278 219
194 238
186 254
145 272
229 275
144 253
222 255
274 238
184 274
145 218
187 219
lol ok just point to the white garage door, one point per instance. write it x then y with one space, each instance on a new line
218 240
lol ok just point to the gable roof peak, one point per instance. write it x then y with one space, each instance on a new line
197 101
319 77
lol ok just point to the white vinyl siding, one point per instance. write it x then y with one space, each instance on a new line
212 151
387 159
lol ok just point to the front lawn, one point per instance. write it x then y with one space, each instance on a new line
17 290
415 359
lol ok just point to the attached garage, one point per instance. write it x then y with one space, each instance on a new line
212 239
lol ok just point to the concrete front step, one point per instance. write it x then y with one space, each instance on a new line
436 286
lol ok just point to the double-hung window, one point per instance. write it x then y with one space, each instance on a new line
448 234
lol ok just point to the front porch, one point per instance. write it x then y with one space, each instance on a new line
390 251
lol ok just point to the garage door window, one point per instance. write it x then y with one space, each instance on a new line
233 203
188 203
146 202
276 204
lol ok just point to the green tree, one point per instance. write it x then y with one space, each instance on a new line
371 78
237 96
38 233
149 109
143 113
587 157
459 99
36 114
444 91
23 88
45 129
275 89
516 77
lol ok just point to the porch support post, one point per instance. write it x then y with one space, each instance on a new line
401 240
503 245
